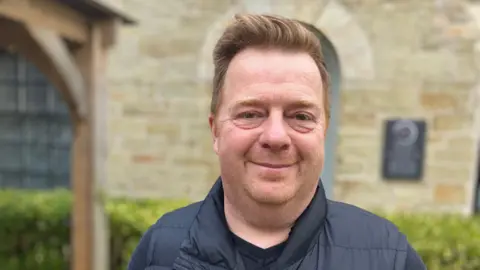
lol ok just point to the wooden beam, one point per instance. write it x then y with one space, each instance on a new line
39 52
49 14
63 62
109 30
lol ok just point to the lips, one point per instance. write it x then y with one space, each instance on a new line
273 165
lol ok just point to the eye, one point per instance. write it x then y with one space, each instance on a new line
303 117
249 119
302 122
248 115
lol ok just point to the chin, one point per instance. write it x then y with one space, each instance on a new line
274 193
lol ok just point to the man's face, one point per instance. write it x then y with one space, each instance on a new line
270 126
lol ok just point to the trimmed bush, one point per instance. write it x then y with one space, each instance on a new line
35 231
445 242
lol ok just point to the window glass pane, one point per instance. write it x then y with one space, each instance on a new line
36 97
8 67
59 105
34 74
11 179
10 157
36 181
60 160
60 181
8 96
11 128
36 158
36 132
61 133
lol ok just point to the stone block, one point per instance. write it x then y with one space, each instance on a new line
442 101
157 46
393 98
358 152
435 138
448 172
169 129
147 158
454 155
446 86
123 125
435 65
464 142
449 194
145 109
358 120
369 195
412 192
349 167
452 122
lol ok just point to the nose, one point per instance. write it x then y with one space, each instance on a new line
274 135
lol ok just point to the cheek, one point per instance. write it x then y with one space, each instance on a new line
235 142
310 146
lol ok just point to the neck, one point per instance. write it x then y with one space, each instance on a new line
263 225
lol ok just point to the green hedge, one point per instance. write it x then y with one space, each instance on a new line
35 228
35 231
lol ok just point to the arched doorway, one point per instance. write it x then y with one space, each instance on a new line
36 128
333 67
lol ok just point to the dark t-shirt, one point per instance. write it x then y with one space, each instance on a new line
256 258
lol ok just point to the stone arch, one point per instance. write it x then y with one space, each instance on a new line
332 19
343 38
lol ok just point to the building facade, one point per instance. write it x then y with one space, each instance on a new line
414 60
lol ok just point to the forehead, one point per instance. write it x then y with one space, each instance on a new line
267 66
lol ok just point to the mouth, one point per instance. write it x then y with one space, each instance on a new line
273 165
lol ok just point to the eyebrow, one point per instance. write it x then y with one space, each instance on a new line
255 102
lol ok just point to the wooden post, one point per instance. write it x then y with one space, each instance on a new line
90 237
40 28
82 207
84 175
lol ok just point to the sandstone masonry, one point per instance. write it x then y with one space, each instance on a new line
415 59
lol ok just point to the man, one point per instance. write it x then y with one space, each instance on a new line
269 117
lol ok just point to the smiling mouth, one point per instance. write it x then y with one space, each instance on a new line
273 166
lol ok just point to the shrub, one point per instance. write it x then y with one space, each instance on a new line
35 231
35 228
445 242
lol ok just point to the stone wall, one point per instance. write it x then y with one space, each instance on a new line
399 59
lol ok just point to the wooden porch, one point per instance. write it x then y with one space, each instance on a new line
68 40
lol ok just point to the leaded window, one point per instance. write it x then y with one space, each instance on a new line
35 128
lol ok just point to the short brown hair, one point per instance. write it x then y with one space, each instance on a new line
265 31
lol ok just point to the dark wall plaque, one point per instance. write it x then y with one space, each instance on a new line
404 149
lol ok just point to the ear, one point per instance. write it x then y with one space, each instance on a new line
213 130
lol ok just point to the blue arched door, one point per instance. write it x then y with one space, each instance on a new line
36 130
476 202
333 68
